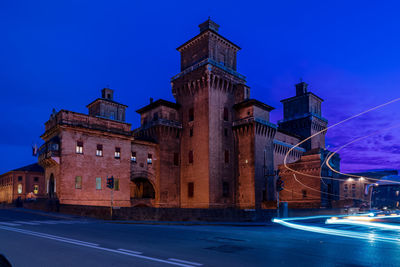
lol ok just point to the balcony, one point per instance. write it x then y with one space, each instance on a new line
49 154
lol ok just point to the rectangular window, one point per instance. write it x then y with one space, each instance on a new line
176 159
19 178
225 189
117 154
226 156
191 156
36 189
226 132
79 147
98 183
353 187
116 184
191 132
191 114
36 179
226 114
133 157
19 188
190 190
304 192
78 182
346 187
99 150
149 159
155 116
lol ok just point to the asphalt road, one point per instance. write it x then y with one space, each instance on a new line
28 239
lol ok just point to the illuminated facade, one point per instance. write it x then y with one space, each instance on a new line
24 183
214 147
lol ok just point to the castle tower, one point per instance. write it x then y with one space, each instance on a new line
302 116
105 107
206 90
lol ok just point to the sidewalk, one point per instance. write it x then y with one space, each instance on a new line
184 223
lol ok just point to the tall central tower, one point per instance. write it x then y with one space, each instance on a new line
207 89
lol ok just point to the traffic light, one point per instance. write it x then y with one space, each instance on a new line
279 184
110 182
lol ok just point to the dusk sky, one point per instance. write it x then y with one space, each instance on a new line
60 54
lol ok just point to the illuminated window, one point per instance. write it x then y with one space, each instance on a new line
117 153
190 190
79 147
98 183
78 182
116 184
133 157
99 150
19 188
36 189
149 159
191 156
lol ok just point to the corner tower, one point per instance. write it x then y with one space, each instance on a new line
302 116
206 89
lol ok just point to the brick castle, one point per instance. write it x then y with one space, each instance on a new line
214 147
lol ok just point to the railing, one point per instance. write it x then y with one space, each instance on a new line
81 120
48 150
304 116
160 121
212 62
251 119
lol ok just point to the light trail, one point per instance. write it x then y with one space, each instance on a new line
326 129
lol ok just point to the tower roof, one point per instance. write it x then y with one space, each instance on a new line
209 25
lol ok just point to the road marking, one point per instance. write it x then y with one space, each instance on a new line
130 251
188 262
91 245
53 237
10 224
25 222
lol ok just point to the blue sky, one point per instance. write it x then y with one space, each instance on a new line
59 54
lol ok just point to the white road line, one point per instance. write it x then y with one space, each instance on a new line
10 224
130 251
26 222
59 238
46 222
86 244
188 262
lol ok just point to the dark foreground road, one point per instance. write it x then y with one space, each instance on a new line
34 240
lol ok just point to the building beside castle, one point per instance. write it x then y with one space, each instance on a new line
214 147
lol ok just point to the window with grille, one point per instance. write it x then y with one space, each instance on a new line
149 159
78 182
98 183
133 157
117 154
79 147
99 150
